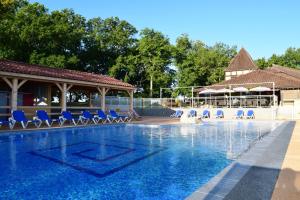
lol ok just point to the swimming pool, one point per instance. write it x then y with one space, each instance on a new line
121 161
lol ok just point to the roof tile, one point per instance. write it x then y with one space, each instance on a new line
38 70
241 61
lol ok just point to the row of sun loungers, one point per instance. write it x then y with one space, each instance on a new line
240 114
18 116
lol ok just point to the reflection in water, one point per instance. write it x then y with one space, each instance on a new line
12 153
128 161
64 147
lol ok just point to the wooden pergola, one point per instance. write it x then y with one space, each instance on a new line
16 75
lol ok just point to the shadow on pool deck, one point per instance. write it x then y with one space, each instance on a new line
254 175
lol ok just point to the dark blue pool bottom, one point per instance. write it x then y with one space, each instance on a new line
38 153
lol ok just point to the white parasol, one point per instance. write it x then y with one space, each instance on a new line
260 89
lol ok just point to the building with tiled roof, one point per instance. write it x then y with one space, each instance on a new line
283 77
30 87
284 82
242 63
24 69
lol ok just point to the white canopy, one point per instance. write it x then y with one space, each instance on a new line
240 89
208 91
224 90
260 89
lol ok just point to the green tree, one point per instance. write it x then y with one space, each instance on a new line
262 63
155 52
36 36
198 64
290 58
105 41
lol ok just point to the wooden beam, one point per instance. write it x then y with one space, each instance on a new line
69 87
9 83
22 83
59 86
61 80
99 90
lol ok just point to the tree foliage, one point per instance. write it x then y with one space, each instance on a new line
291 58
199 64
64 39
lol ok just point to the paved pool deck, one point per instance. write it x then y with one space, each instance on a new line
255 174
288 183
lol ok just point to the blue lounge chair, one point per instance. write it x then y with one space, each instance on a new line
18 116
102 116
118 118
220 114
4 122
86 117
250 114
177 114
192 113
67 116
239 114
206 114
43 116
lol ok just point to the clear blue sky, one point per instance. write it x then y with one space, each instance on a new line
263 27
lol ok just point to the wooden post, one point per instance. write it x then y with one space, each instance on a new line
64 97
90 99
131 100
103 93
14 94
14 85
64 88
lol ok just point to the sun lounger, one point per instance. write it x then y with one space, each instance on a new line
134 115
192 113
86 117
18 116
205 114
4 122
43 116
118 118
250 114
220 114
67 116
177 114
101 116
239 114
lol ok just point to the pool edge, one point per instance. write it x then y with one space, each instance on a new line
234 181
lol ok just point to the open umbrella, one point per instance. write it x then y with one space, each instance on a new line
225 90
208 91
260 89
240 90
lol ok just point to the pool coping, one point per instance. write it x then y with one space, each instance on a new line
254 174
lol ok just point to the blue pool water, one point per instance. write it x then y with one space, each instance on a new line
120 161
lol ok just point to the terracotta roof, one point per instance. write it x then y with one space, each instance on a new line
241 61
279 75
38 70
285 70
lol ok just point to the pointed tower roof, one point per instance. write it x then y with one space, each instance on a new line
242 61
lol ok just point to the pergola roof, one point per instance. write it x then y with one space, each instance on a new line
43 71
242 61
